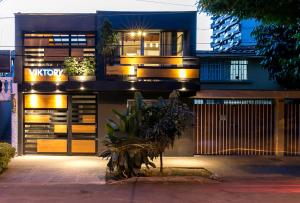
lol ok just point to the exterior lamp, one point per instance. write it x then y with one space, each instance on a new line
182 74
132 34
144 34
58 100
81 88
131 70
33 99
140 33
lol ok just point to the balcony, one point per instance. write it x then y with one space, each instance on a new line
153 68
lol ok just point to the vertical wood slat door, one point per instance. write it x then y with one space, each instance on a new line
234 127
292 127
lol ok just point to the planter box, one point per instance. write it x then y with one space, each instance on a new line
82 78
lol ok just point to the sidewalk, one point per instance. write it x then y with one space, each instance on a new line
81 179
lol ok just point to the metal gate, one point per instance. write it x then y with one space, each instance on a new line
292 127
234 127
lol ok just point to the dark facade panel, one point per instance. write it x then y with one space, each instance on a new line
5 61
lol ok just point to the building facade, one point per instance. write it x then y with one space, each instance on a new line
63 114
238 110
230 31
6 85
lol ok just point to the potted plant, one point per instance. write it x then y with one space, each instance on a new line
80 69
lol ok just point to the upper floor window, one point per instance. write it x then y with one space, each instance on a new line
234 70
151 43
238 70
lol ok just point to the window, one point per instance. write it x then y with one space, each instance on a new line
234 70
151 43
238 70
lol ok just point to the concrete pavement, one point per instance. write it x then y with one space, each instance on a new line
81 179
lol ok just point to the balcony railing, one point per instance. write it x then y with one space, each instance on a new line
154 67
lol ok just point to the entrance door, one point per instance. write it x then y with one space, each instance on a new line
234 127
60 124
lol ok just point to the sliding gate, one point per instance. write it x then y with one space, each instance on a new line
234 127
292 127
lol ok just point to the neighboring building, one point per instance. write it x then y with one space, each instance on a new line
230 32
240 111
6 80
63 115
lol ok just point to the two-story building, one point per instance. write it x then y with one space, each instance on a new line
61 114
238 109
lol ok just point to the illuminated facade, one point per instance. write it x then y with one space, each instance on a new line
65 113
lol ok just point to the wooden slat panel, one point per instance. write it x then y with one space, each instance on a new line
31 78
169 60
120 70
168 73
60 129
83 146
89 118
54 54
52 146
39 101
83 129
37 118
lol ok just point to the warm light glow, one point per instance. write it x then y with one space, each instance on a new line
131 70
58 100
156 45
81 88
151 45
140 33
132 34
33 98
182 73
144 34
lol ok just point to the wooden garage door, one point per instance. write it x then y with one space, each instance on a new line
234 127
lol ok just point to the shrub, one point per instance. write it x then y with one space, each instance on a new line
7 152
75 66
126 150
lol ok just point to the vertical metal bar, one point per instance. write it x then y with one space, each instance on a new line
69 125
298 127
217 129
223 123
201 127
234 127
205 128
267 129
212 129
196 108
294 127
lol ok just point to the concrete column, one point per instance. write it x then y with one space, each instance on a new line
279 128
